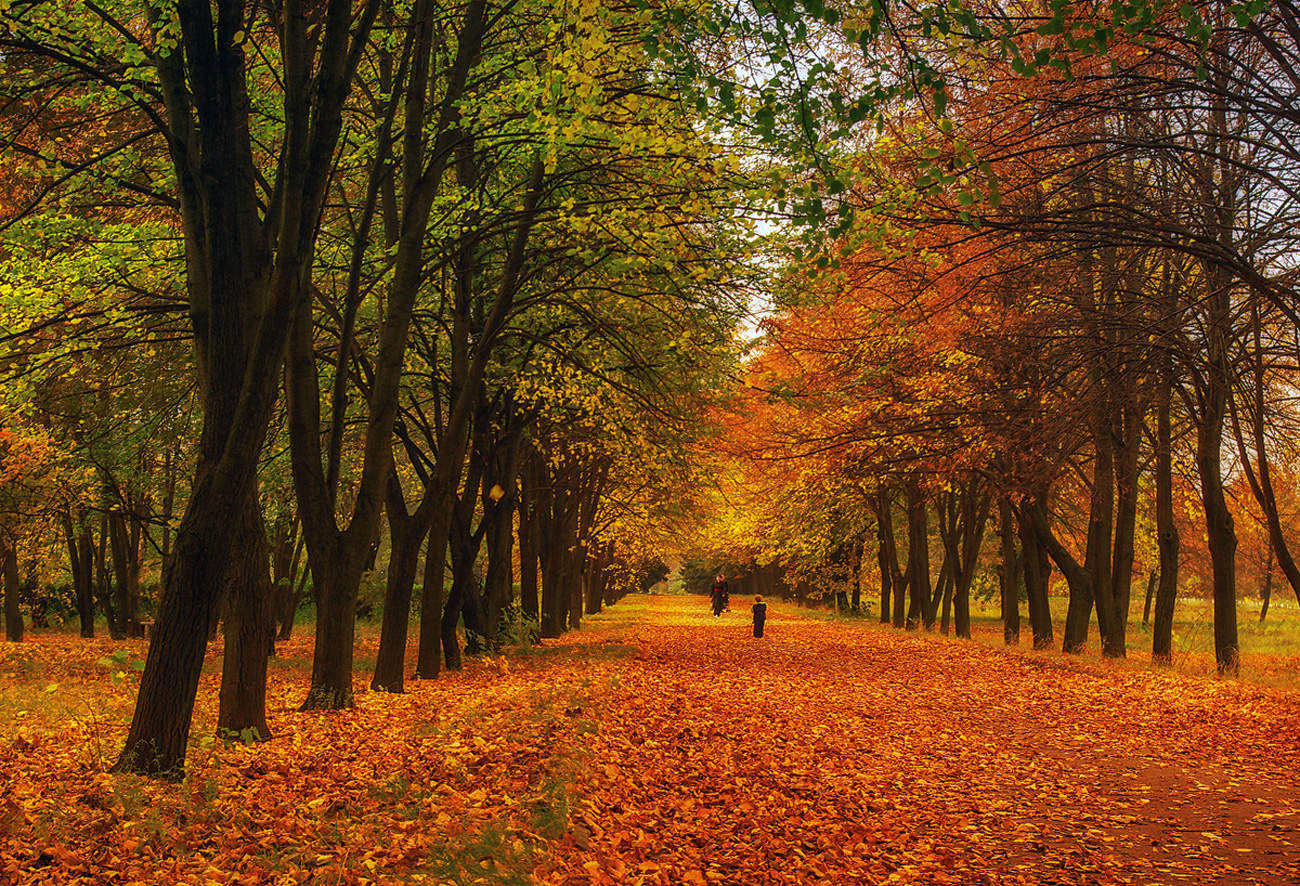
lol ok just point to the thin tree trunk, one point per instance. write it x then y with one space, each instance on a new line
13 615
118 543
104 580
528 600
1009 574
1219 523
81 579
1126 502
1167 541
918 550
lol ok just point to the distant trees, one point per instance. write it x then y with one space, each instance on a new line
1069 295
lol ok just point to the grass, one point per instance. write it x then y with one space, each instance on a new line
1270 652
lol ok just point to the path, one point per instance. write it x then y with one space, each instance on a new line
840 753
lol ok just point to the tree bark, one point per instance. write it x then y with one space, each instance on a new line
81 578
1009 574
429 660
104 581
1037 575
406 534
250 628
529 605
13 615
124 603
1126 502
918 558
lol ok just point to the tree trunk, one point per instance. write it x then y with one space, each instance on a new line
918 550
406 534
945 592
572 559
1078 578
122 590
429 660
429 657
81 578
593 572
1009 575
193 582
891 588
1267 591
1126 502
855 566
250 627
336 616
1037 571
528 600
1223 546
13 615
1167 541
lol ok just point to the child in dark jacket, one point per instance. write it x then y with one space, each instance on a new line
760 615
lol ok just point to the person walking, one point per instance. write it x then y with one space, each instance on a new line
718 595
760 615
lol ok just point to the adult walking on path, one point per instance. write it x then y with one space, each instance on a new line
718 595
760 615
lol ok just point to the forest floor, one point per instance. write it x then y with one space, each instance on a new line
662 746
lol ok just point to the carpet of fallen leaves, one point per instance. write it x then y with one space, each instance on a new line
838 753
662 746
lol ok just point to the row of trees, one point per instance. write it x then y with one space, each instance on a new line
467 276
1065 320
491 254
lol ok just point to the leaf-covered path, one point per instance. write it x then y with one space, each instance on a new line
841 753
661 746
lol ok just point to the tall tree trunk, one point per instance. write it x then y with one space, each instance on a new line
1009 574
81 578
1037 571
429 660
855 578
891 590
429 657
122 591
1266 592
918 551
245 276
13 615
406 534
1126 502
529 605
250 627
336 583
1216 389
1167 541
104 580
